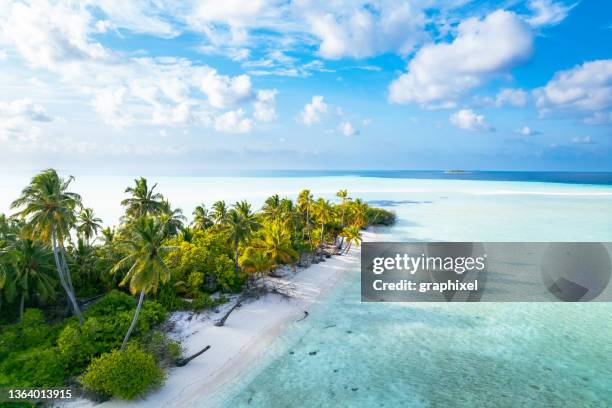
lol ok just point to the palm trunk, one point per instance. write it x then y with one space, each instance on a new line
221 322
21 306
129 332
322 235
62 251
69 293
236 257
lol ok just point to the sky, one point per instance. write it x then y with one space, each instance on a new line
159 85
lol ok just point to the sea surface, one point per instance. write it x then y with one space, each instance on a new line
348 353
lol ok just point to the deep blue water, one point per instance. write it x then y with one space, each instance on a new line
601 178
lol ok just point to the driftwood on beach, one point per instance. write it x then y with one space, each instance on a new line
181 362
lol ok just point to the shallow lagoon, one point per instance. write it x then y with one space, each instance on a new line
352 354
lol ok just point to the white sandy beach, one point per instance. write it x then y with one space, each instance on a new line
246 333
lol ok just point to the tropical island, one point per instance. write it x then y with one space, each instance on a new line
87 307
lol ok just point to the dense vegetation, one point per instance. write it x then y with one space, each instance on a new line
83 305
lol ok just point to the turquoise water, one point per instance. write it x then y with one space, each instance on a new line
419 355
440 355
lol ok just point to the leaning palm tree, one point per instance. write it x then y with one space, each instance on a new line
352 234
33 268
145 260
201 218
88 224
50 212
143 201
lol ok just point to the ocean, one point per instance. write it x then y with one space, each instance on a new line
349 353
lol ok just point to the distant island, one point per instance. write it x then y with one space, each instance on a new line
455 171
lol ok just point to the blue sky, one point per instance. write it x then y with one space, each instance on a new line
306 84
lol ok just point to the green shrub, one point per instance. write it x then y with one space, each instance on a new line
225 274
30 332
169 299
114 302
165 350
380 216
80 343
123 374
36 367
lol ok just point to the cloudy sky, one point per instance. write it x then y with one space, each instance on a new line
332 84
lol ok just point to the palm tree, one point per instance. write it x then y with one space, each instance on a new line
323 212
271 209
108 234
145 260
255 262
143 201
32 271
50 211
359 213
219 212
353 236
343 195
240 224
88 225
173 218
201 218
304 202
276 243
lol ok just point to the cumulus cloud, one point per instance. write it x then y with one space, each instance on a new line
547 12
512 97
584 90
265 105
364 29
224 91
54 35
233 122
18 120
348 129
440 74
467 119
313 111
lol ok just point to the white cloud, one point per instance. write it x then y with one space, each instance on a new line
224 91
233 122
440 74
347 129
109 104
547 12
18 118
313 111
364 28
527 131
467 119
54 35
584 90
265 105
512 97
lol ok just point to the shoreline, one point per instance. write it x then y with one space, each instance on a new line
246 334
